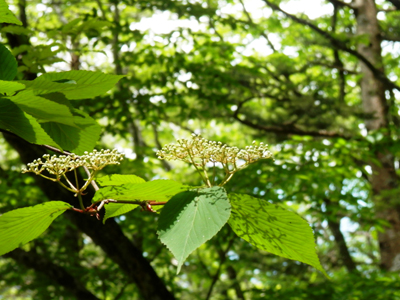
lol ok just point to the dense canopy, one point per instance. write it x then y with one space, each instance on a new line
318 81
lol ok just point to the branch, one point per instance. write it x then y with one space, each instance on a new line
233 276
341 4
390 38
291 130
396 3
338 62
339 45
54 272
334 226
250 20
222 255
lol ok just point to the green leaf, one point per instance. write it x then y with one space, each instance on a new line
74 84
14 29
8 65
77 139
118 179
157 190
44 109
20 226
191 218
9 87
13 119
115 209
272 228
6 16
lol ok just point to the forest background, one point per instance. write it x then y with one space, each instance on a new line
322 90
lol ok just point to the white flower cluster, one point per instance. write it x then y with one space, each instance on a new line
206 151
59 165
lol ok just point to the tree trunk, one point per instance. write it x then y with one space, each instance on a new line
375 107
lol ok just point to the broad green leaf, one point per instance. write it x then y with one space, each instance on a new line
115 209
74 84
157 190
191 218
18 227
43 109
13 119
6 15
9 87
272 228
118 179
8 65
14 29
78 139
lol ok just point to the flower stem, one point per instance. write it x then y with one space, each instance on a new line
194 164
81 201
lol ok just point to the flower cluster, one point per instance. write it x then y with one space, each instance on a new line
59 165
200 152
214 152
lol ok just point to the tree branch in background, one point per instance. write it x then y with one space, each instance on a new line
334 227
390 38
338 3
396 3
54 272
250 20
338 62
339 45
232 274
222 258
289 130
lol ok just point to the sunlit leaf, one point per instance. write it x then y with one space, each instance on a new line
6 15
74 84
272 228
118 179
18 227
13 119
9 87
157 190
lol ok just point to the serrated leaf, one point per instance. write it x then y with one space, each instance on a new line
78 139
9 87
8 65
157 190
13 119
115 209
74 84
118 179
191 218
19 226
43 109
6 15
272 228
